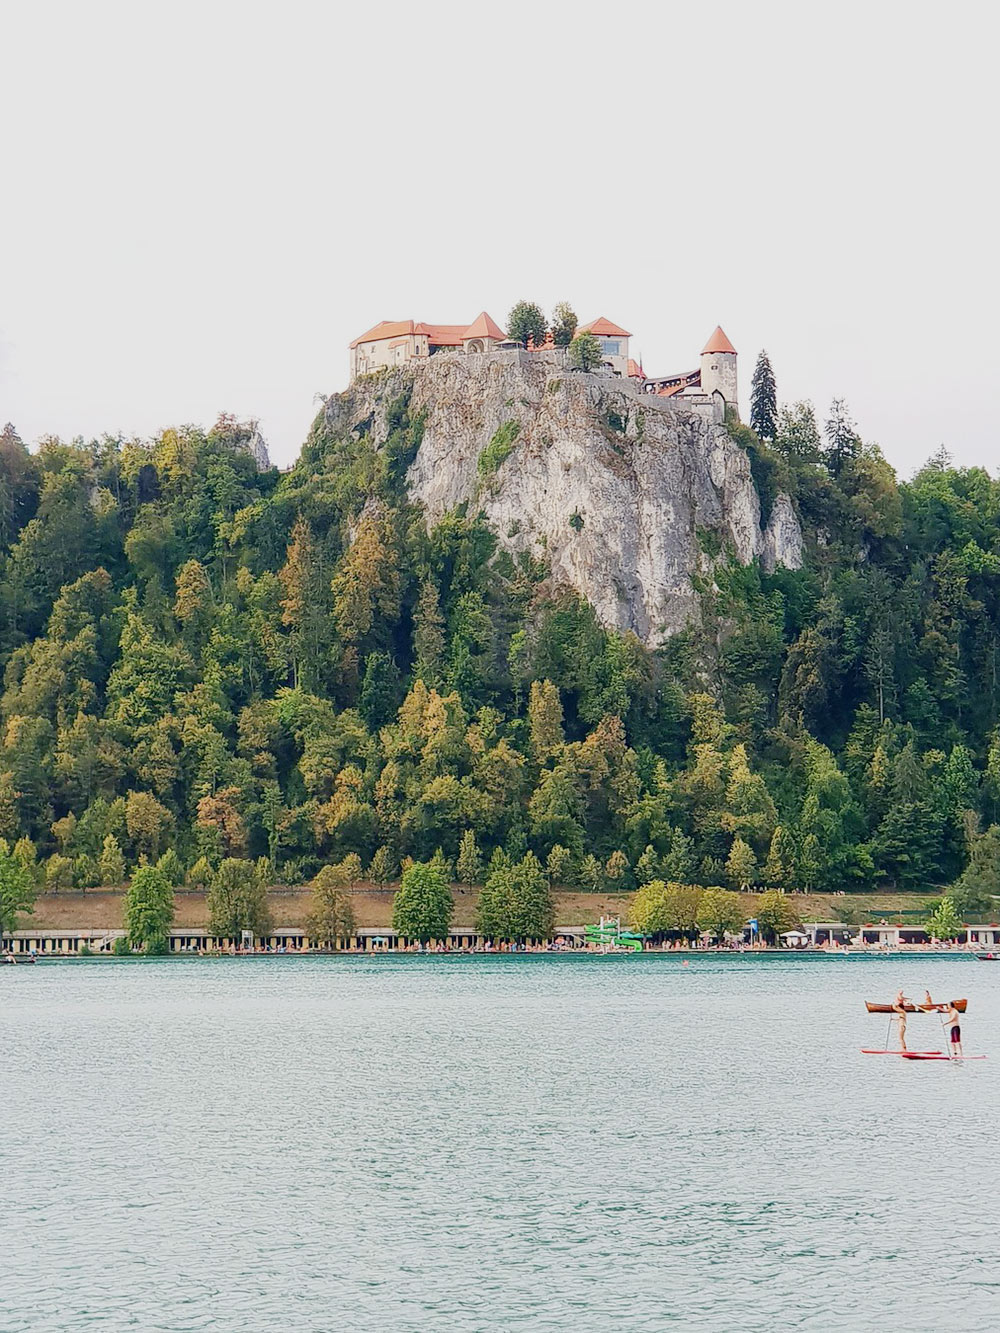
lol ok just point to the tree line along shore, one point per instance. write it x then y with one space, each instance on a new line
209 665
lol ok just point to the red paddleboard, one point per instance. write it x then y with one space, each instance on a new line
921 1055
924 1055
914 1055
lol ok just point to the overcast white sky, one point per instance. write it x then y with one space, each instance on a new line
202 203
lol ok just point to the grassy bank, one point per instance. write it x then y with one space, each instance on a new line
101 909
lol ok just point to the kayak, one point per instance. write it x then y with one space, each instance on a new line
911 1008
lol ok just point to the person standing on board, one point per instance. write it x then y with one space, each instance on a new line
898 1008
954 1018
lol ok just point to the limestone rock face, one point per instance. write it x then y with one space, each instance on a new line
782 537
622 493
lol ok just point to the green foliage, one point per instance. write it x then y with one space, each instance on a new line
17 888
203 662
585 352
516 903
237 900
776 913
423 906
149 910
332 913
659 908
944 923
499 449
121 947
469 867
171 866
384 867
721 912
526 324
764 400
564 322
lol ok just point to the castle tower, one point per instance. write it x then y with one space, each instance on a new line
718 369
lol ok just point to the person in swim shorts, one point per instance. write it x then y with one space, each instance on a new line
900 1012
953 1021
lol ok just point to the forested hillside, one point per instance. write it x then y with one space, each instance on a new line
224 662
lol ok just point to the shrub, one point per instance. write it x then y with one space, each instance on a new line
499 448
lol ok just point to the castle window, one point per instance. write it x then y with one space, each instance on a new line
611 346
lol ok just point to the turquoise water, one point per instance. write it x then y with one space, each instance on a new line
572 1143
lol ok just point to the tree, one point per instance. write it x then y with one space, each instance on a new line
658 908
615 868
559 864
147 821
978 886
585 352
944 923
149 910
171 866
516 903
648 866
564 324
17 888
741 864
590 872
764 399
423 906
775 914
469 866
428 637
526 324
237 900
545 720
112 863
332 916
384 867
843 444
721 912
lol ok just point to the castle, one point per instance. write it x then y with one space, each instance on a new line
711 388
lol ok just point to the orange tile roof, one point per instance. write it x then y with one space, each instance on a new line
604 329
386 329
635 371
443 335
484 327
718 343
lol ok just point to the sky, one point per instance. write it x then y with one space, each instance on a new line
201 204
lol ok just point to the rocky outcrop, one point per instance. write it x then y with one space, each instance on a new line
782 537
626 496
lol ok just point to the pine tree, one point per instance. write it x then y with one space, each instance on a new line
741 864
384 867
648 866
764 400
428 637
112 863
469 867
559 864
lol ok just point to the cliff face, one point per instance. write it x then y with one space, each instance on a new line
621 493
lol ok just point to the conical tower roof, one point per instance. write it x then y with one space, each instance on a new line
718 343
484 327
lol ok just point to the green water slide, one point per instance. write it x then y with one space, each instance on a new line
611 933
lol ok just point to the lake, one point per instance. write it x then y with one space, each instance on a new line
493 1143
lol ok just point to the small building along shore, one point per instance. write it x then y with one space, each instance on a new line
823 935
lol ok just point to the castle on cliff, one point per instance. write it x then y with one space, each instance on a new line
712 385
